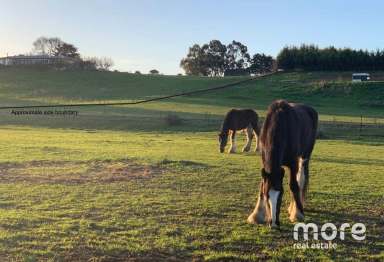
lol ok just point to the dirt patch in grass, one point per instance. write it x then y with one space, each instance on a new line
69 172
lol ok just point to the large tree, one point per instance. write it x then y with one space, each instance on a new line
195 62
214 58
54 46
67 50
237 56
261 63
207 60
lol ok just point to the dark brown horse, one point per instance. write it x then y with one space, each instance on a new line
287 139
235 119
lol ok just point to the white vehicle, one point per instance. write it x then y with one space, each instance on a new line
360 77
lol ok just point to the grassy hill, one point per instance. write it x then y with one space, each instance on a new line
120 182
47 86
332 94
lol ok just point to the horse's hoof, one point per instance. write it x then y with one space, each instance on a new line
274 226
251 219
256 219
300 217
296 216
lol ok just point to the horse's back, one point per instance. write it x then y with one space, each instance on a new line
243 112
307 113
237 119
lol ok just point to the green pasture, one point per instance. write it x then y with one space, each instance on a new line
122 182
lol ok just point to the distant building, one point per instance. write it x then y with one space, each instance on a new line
36 60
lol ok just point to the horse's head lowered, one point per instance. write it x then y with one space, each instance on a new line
223 140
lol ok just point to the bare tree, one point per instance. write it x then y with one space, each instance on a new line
102 64
105 63
88 63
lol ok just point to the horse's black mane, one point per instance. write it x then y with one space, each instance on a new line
275 134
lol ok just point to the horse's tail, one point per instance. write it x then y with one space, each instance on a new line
315 118
255 123
275 132
306 181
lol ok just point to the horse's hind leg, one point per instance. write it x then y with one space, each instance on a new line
256 133
257 148
232 149
306 181
249 135
295 210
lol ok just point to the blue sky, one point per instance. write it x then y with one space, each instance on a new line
146 34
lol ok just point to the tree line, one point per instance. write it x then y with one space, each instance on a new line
218 59
310 57
54 46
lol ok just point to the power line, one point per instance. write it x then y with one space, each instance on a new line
140 101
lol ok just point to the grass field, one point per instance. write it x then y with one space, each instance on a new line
118 183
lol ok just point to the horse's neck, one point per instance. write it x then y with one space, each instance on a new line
273 160
224 131
225 127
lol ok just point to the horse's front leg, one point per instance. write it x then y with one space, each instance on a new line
232 149
302 178
295 210
259 214
249 135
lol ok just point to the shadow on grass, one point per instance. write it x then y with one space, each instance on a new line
121 119
184 163
348 161
374 225
353 208
77 172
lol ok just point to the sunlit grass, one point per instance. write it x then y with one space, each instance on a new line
119 182
196 207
